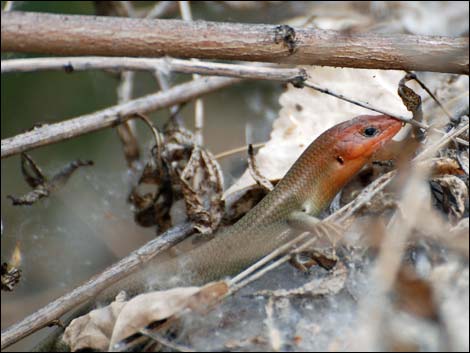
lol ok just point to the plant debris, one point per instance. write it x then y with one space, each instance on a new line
43 186
180 170
330 284
10 277
11 273
106 328
263 182
412 102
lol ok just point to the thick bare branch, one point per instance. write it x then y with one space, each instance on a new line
111 116
110 36
94 286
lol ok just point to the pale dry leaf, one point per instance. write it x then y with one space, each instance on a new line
102 328
158 306
146 308
94 329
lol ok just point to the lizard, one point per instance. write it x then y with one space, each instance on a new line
325 166
308 187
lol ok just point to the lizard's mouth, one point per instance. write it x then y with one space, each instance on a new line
388 131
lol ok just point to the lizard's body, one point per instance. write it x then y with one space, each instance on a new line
307 188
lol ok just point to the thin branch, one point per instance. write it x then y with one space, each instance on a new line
185 10
161 8
163 81
444 140
94 286
363 104
85 63
65 35
237 150
108 117
48 134
126 131
378 110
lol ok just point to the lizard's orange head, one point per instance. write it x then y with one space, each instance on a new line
359 138
337 155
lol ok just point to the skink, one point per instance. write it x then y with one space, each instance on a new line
307 188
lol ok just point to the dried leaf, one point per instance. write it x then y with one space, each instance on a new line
42 186
104 328
330 284
410 98
160 175
10 277
32 173
182 170
412 102
202 187
255 173
450 194
11 273
93 330
367 175
444 165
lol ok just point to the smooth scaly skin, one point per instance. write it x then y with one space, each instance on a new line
309 186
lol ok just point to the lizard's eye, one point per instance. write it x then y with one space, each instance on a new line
340 160
370 131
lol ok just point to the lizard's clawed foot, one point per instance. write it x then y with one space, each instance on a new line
325 229
314 255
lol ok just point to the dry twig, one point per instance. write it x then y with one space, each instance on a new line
94 286
119 64
111 116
